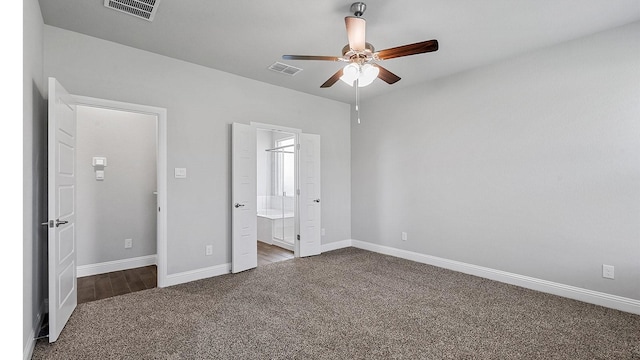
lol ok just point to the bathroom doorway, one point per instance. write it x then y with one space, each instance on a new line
272 194
276 194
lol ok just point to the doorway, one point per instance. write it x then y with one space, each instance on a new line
61 198
244 193
276 179
145 254
116 189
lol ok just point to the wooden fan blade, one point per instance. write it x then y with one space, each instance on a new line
356 32
310 57
332 80
387 76
406 50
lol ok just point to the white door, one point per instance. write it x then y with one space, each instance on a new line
310 243
244 228
62 190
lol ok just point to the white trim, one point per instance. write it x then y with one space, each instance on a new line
568 291
264 126
116 265
282 244
336 245
193 275
161 113
27 352
31 344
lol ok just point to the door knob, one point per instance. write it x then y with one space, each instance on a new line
58 222
237 205
316 200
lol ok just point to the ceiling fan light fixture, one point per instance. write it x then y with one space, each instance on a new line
350 73
368 73
365 74
361 56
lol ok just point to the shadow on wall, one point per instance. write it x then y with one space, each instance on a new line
39 194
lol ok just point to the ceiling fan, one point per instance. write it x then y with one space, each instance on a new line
362 59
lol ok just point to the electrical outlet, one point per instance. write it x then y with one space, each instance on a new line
607 271
128 243
208 250
404 236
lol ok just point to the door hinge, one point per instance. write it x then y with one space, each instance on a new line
158 208
298 146
298 236
297 191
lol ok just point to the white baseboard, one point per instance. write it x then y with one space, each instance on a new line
283 244
336 245
31 344
193 275
568 291
117 265
27 352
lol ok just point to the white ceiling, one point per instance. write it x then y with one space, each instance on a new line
245 37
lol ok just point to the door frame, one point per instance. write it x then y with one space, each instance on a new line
296 212
161 181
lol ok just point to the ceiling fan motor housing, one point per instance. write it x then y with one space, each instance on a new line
358 8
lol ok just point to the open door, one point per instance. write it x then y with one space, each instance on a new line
309 172
244 228
62 190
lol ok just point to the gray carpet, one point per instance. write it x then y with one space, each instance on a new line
345 304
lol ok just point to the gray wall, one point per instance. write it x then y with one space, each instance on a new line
528 166
122 206
34 143
201 104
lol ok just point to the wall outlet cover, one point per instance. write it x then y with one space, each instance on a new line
208 250
608 271
128 243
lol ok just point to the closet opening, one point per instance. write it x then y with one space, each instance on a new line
116 201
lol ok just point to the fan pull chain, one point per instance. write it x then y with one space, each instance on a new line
357 101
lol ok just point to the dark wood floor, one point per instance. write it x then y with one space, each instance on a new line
101 286
268 254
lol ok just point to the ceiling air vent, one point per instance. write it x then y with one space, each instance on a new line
284 68
143 9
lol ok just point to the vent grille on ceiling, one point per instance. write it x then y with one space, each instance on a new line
284 68
143 9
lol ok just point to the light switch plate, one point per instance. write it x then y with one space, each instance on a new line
180 173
